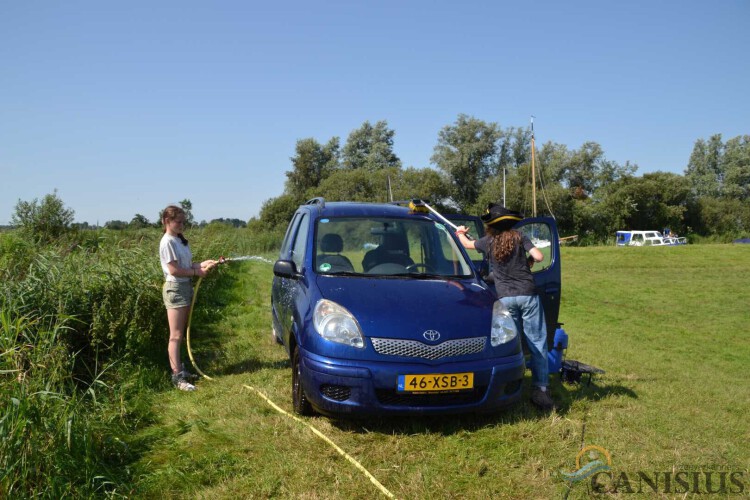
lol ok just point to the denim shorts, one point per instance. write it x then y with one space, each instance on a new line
177 294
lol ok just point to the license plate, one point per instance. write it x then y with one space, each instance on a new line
435 382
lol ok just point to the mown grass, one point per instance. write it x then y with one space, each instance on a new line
669 326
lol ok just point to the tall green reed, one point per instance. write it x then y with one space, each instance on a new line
72 323
83 346
52 441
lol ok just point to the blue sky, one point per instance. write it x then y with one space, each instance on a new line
124 107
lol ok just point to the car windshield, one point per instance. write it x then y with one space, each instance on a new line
387 247
475 231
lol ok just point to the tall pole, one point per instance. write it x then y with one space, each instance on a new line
533 173
504 204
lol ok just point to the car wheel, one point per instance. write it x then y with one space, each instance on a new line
299 401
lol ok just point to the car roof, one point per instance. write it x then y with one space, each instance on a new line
360 209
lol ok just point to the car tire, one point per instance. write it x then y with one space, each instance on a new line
299 401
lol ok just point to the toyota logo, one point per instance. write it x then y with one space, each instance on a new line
431 335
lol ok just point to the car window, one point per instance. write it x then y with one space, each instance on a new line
476 231
540 235
384 246
290 230
300 241
451 252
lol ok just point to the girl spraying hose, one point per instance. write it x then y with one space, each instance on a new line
177 292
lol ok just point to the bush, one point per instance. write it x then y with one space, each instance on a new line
45 221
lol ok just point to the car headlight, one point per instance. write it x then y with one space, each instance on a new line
503 327
336 324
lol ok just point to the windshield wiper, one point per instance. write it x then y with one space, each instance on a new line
419 276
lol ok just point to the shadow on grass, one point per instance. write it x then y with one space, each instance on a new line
439 424
564 394
251 365
209 352
592 392
211 358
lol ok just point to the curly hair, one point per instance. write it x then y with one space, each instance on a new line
504 242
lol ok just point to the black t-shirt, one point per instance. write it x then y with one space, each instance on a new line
513 277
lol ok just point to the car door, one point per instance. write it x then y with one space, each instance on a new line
547 274
284 289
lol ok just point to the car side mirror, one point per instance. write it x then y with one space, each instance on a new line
286 269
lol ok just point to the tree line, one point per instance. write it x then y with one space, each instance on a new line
48 219
478 162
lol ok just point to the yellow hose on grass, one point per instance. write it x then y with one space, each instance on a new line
322 436
187 333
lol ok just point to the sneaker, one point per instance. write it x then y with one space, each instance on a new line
542 399
179 381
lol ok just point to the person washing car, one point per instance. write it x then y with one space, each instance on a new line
177 292
511 271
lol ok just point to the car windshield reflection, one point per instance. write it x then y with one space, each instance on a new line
387 247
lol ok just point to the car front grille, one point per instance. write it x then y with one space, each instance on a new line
392 397
417 349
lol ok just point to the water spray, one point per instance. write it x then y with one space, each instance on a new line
220 260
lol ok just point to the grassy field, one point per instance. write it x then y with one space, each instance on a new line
669 326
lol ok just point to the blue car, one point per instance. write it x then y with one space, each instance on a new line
382 312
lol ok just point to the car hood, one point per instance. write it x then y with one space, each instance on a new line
406 308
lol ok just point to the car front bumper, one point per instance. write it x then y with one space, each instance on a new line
356 387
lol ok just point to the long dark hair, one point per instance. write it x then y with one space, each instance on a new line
504 242
171 213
